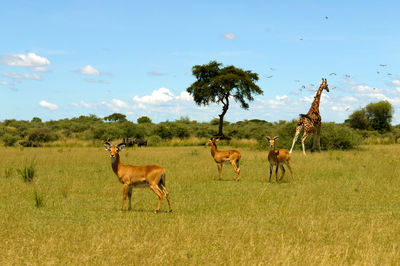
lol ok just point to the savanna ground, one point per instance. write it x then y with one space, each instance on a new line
343 208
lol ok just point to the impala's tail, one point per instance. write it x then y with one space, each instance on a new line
161 183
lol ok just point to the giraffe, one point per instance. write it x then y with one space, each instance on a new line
311 122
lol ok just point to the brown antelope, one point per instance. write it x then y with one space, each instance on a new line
221 157
278 158
137 176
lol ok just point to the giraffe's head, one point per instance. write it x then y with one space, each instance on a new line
114 150
324 85
272 142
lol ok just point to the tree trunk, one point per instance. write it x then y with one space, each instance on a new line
221 117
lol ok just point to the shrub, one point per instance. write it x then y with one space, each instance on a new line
39 202
42 135
9 140
164 131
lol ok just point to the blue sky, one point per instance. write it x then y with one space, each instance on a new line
63 59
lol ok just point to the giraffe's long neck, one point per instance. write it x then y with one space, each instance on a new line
315 105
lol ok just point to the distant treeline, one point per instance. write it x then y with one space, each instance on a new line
116 126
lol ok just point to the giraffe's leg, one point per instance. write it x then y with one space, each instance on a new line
319 138
298 129
314 139
305 135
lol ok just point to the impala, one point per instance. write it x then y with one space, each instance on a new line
277 157
221 157
137 176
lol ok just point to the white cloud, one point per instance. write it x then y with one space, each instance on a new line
349 99
40 69
230 36
279 98
396 82
89 70
161 95
119 103
96 81
156 74
25 60
398 89
5 83
50 106
185 96
18 77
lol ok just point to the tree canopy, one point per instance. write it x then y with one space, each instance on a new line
115 117
374 116
143 120
217 84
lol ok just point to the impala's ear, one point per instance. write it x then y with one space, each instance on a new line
217 140
276 138
107 147
121 146
268 138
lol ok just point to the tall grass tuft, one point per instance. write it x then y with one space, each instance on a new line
27 173
39 202
8 172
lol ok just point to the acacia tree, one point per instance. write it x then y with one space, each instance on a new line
217 84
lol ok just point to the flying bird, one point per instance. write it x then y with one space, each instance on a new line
333 88
377 72
297 80
347 76
347 108
303 86
272 69
331 74
326 17
374 89
312 85
382 65
268 77
389 74
301 39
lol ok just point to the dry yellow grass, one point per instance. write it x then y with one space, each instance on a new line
342 208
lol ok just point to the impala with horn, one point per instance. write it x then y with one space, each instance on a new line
137 176
221 157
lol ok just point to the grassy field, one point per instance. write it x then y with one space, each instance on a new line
342 208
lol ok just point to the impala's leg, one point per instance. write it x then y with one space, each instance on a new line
236 170
159 193
276 172
270 171
298 129
305 135
167 196
126 189
130 197
283 172
219 170
290 168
